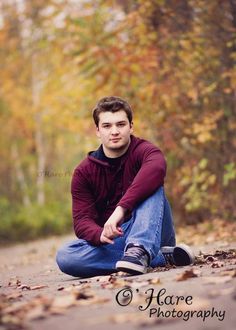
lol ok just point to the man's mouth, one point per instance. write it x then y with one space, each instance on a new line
116 139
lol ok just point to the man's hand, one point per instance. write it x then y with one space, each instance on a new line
112 227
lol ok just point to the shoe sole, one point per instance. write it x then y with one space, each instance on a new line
179 257
182 254
130 268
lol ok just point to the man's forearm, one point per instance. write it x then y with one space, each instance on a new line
112 227
88 230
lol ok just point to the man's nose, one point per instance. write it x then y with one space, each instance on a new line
114 130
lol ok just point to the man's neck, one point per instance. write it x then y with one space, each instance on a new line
115 153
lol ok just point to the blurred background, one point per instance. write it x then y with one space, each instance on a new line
173 61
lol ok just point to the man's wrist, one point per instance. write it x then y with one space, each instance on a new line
121 209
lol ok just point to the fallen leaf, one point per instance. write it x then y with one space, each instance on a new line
85 294
37 287
189 273
120 274
84 281
24 287
162 269
217 264
74 288
154 281
230 254
210 259
88 297
199 260
105 278
114 283
61 288
14 281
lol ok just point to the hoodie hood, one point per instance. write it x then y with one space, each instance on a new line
96 156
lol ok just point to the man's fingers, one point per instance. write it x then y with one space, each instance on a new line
111 231
107 240
120 230
108 232
115 230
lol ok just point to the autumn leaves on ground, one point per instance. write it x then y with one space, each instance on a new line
36 295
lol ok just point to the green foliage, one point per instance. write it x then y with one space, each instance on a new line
229 174
24 223
197 182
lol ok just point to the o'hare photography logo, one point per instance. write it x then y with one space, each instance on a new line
160 304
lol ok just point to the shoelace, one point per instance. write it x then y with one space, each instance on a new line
135 251
169 258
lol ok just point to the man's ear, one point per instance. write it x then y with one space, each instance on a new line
97 132
131 127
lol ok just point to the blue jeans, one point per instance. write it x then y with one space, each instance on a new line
151 225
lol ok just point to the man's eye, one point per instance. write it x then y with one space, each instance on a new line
121 125
106 126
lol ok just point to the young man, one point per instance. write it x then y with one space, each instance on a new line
121 215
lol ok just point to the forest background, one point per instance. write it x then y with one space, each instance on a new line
175 63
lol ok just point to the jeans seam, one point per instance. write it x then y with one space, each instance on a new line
159 225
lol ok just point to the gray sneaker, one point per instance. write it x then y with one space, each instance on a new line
135 260
179 255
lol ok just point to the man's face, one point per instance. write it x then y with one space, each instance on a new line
114 131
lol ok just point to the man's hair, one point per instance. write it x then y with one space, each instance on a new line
112 104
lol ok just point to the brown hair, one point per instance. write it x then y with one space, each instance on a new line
112 104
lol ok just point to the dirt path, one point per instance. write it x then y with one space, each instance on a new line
36 295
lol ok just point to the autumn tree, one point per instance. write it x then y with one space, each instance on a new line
175 62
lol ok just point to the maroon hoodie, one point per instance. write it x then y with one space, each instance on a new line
97 187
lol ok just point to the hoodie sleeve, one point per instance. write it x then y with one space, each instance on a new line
149 178
83 209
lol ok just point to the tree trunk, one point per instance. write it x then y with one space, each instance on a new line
20 175
41 161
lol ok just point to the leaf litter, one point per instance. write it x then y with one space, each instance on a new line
188 273
16 283
14 313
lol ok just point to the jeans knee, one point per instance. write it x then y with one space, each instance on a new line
158 196
64 262
70 265
61 260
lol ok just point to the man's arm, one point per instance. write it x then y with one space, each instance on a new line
148 179
83 210
112 227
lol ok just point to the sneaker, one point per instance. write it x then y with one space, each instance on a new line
135 260
179 255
